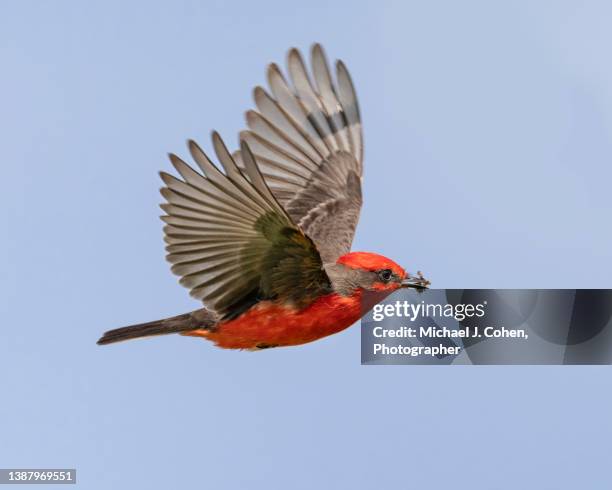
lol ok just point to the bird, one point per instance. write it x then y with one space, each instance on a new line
264 242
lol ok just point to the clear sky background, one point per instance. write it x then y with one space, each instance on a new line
488 164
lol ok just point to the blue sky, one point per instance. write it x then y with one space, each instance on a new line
488 150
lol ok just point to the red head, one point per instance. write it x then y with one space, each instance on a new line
379 273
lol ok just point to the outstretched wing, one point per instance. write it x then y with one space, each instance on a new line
306 139
229 239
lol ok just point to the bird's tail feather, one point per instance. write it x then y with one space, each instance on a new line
199 319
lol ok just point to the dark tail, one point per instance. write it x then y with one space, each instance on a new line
199 319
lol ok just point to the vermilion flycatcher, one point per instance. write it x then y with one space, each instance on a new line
266 244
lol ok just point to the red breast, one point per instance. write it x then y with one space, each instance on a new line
271 325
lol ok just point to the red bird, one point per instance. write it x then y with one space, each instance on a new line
265 245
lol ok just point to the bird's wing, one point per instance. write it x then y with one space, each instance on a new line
230 241
306 139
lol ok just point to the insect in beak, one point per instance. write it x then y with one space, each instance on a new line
415 282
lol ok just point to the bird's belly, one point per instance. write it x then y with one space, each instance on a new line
271 325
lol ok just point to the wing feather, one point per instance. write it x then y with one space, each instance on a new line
306 140
229 239
291 104
310 99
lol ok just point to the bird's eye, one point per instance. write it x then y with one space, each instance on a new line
385 275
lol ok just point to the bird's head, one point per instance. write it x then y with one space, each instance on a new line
372 272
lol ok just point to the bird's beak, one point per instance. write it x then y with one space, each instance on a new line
415 282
